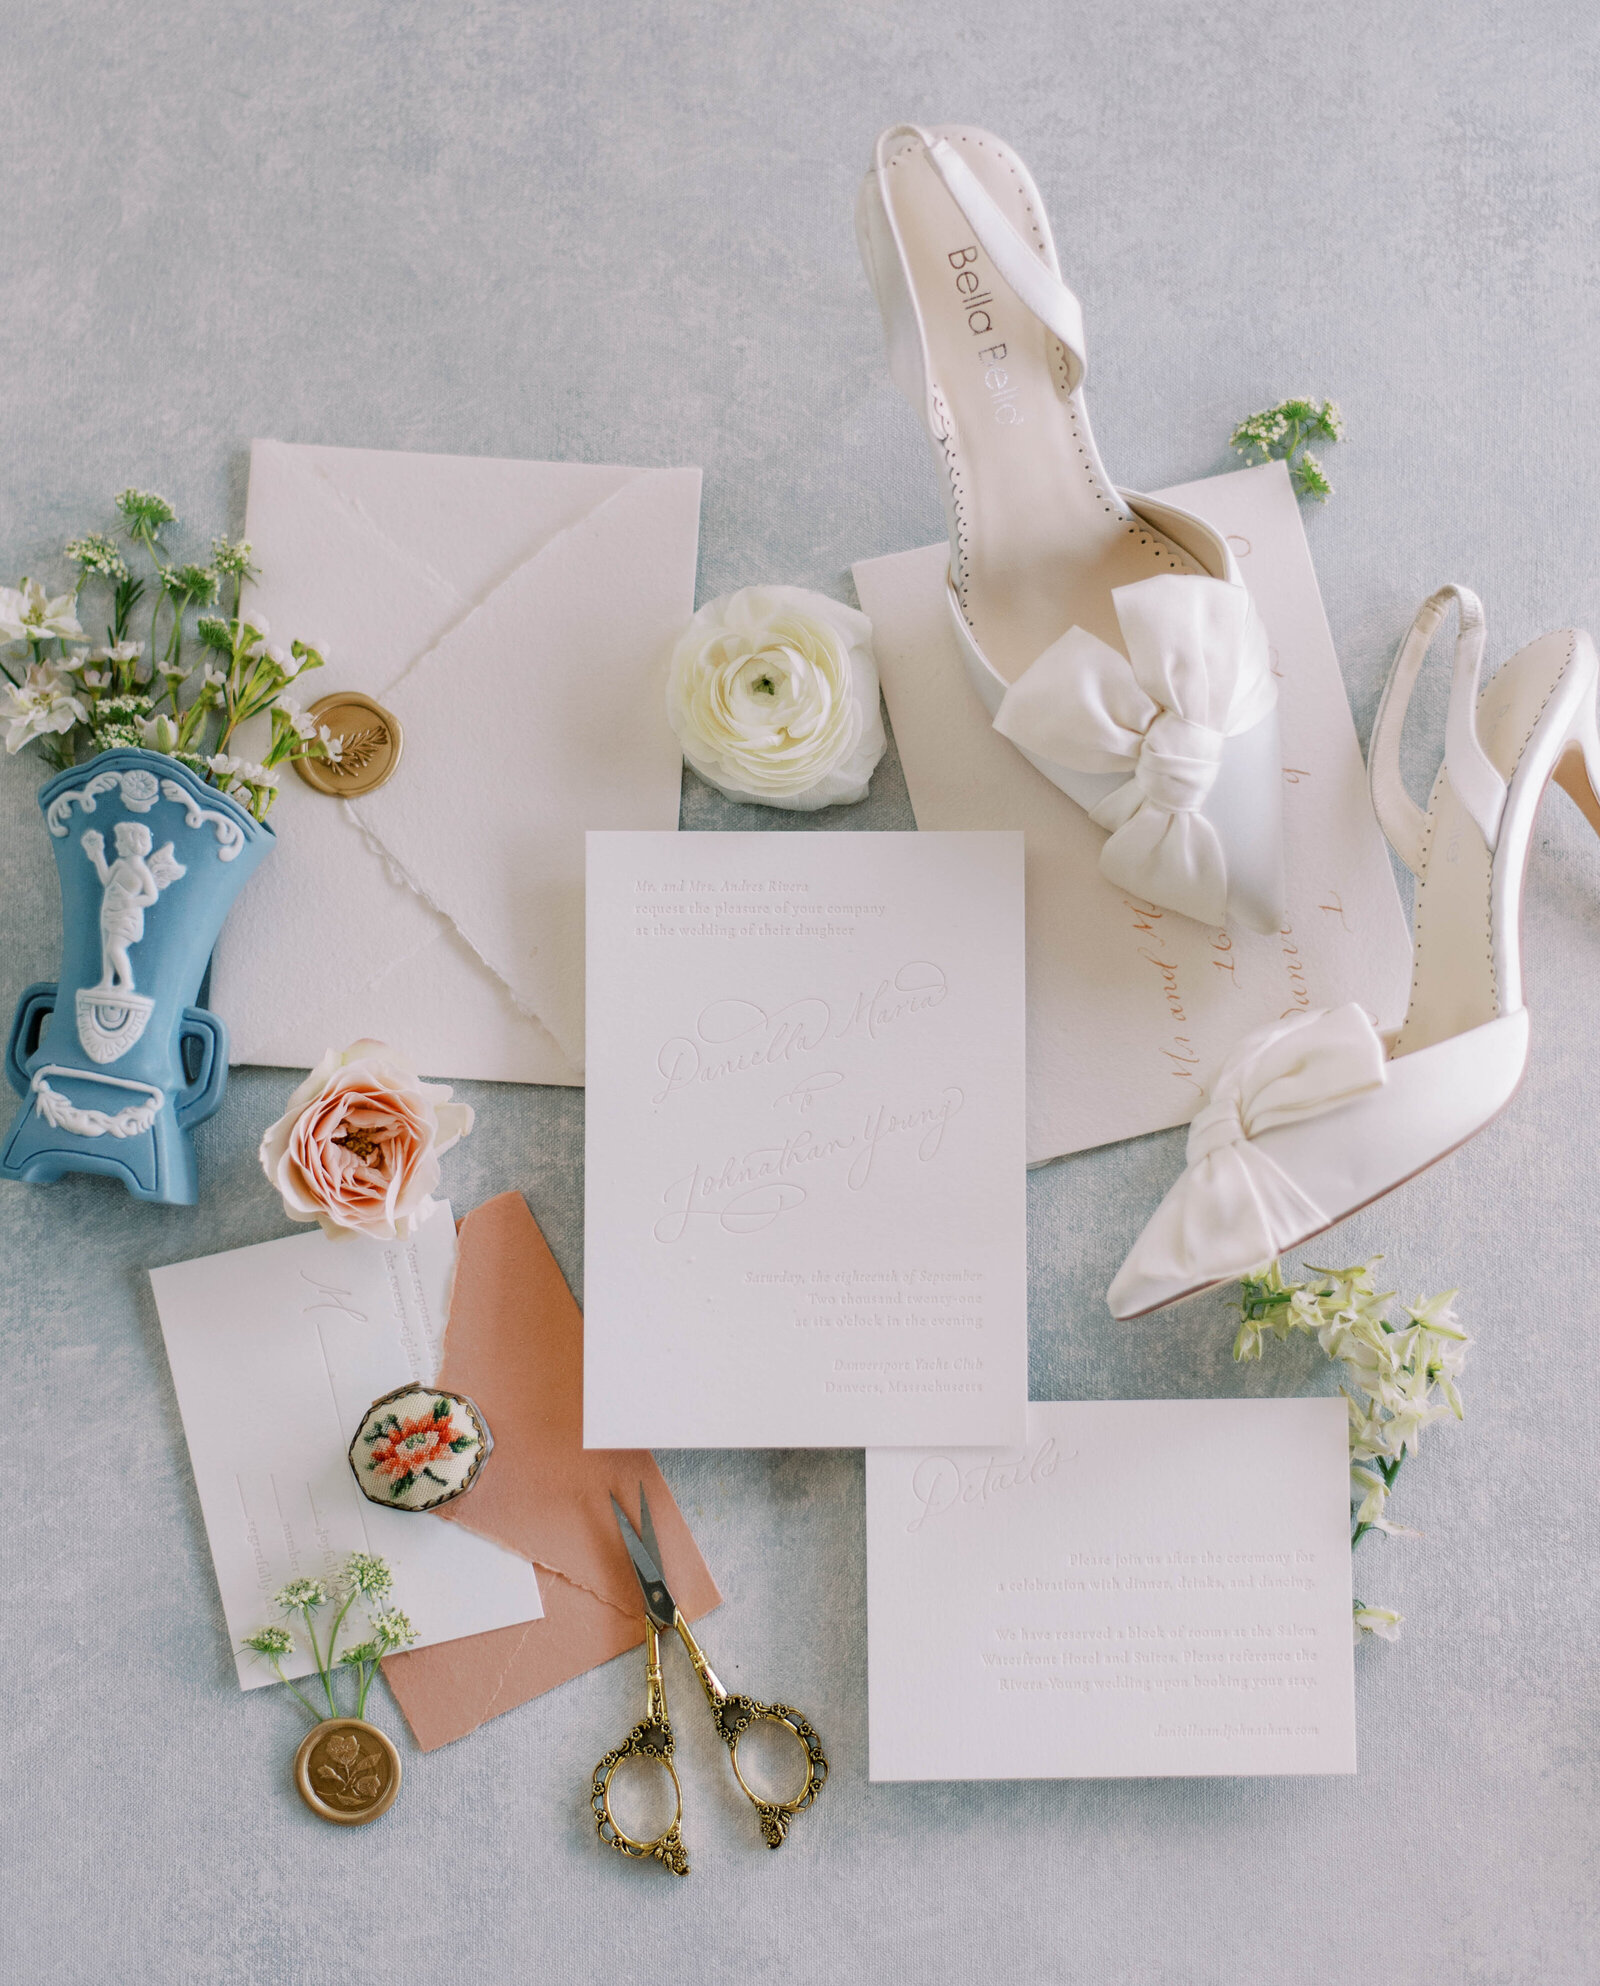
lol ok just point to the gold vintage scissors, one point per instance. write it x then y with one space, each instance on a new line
651 1739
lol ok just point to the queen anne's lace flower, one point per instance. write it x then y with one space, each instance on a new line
300 1595
772 693
274 1641
366 1571
393 1629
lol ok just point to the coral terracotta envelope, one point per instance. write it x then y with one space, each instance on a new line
515 1347
516 618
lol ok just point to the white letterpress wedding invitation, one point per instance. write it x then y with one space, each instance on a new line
276 1353
1151 1588
1130 1007
804 1186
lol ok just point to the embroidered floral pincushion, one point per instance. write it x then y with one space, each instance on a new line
418 1447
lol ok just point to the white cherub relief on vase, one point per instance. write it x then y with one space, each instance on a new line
112 1015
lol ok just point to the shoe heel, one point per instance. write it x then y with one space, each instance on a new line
1578 769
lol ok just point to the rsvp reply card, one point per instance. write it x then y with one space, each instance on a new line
805 1220
1143 1589
276 1352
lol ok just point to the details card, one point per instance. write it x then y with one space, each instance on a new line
276 1353
1155 1588
804 1213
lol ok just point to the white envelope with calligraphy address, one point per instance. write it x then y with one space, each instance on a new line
1118 1597
516 617
805 1218
1131 1008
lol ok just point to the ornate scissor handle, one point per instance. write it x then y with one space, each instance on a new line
735 1715
650 1738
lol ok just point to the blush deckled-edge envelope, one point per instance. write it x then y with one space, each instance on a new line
515 1346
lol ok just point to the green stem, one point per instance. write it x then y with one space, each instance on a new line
322 1666
338 1622
1388 1471
311 1709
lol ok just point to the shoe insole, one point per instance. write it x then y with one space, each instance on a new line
1043 536
1453 984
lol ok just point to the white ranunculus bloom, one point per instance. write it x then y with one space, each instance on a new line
773 695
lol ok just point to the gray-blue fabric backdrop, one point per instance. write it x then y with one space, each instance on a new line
623 233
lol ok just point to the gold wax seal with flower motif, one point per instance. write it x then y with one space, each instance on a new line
347 1771
367 742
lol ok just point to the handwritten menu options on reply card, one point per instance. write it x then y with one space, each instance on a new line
805 1218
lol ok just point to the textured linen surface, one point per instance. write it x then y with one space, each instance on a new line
624 234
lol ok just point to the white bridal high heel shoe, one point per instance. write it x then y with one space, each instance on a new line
1108 636
1313 1117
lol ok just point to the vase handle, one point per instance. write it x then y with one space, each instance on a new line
200 1100
37 1004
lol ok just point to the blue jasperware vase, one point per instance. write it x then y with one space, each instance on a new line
114 1063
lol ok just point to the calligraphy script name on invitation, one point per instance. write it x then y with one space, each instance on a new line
737 1037
749 1190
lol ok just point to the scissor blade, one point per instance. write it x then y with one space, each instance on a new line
647 1527
658 1602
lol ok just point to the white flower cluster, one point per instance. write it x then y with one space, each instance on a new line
74 701
1400 1379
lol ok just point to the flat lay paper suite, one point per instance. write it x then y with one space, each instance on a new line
1147 1588
516 618
276 1353
1131 1008
515 1346
804 1186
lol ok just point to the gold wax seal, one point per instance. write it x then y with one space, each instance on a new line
347 1771
370 744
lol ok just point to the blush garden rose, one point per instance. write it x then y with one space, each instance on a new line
358 1147
773 696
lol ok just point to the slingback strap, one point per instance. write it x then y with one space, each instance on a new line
1035 283
1477 784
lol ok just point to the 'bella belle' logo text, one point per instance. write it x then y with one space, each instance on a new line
978 303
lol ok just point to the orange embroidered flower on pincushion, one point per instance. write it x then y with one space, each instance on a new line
411 1445
416 1448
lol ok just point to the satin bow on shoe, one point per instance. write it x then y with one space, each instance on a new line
1196 674
1234 1204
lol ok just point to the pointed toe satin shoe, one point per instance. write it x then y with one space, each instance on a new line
1108 637
1311 1118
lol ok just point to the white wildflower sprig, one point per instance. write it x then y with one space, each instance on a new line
1399 1379
364 1575
1282 433
74 701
